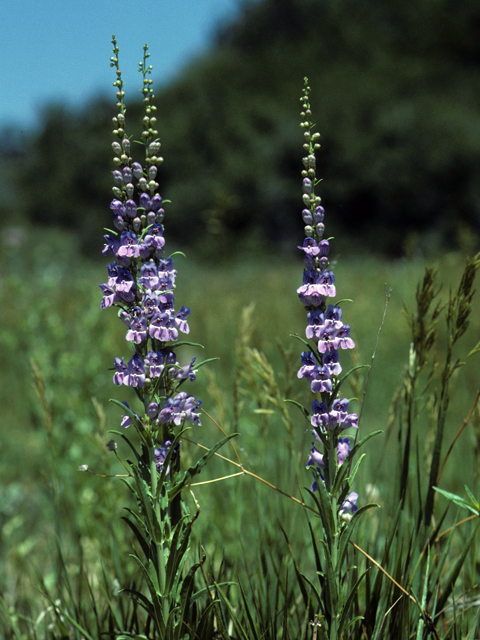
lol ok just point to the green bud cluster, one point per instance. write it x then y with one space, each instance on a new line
310 146
121 149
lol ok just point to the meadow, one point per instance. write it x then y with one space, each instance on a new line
64 549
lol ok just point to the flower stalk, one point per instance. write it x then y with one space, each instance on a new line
326 336
140 285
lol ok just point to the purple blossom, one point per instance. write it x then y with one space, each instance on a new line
342 338
111 245
308 365
162 327
136 372
350 503
149 275
336 418
154 360
316 324
154 237
181 319
121 371
316 287
151 304
316 458
321 382
138 330
183 373
128 245
180 409
310 247
126 420
331 361
110 296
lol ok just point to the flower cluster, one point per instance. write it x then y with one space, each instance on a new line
141 279
326 332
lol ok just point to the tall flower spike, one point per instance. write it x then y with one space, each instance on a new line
326 332
141 280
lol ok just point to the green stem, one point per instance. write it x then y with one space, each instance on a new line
159 544
332 539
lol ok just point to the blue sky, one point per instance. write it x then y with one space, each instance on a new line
52 51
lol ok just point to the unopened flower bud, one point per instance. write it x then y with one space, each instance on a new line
152 173
129 188
118 223
125 317
319 214
116 148
142 183
150 217
306 199
323 262
154 148
125 142
320 229
137 170
308 231
117 178
127 174
152 410
160 216
307 216
156 202
130 208
137 224
307 186
117 192
83 467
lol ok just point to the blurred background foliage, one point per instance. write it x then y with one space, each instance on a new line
396 91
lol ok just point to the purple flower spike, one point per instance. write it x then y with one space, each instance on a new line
327 335
141 285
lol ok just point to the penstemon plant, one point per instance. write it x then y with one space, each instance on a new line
141 283
333 469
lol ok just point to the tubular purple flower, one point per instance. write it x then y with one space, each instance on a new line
136 372
350 503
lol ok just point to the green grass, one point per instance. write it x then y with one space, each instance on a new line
51 315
